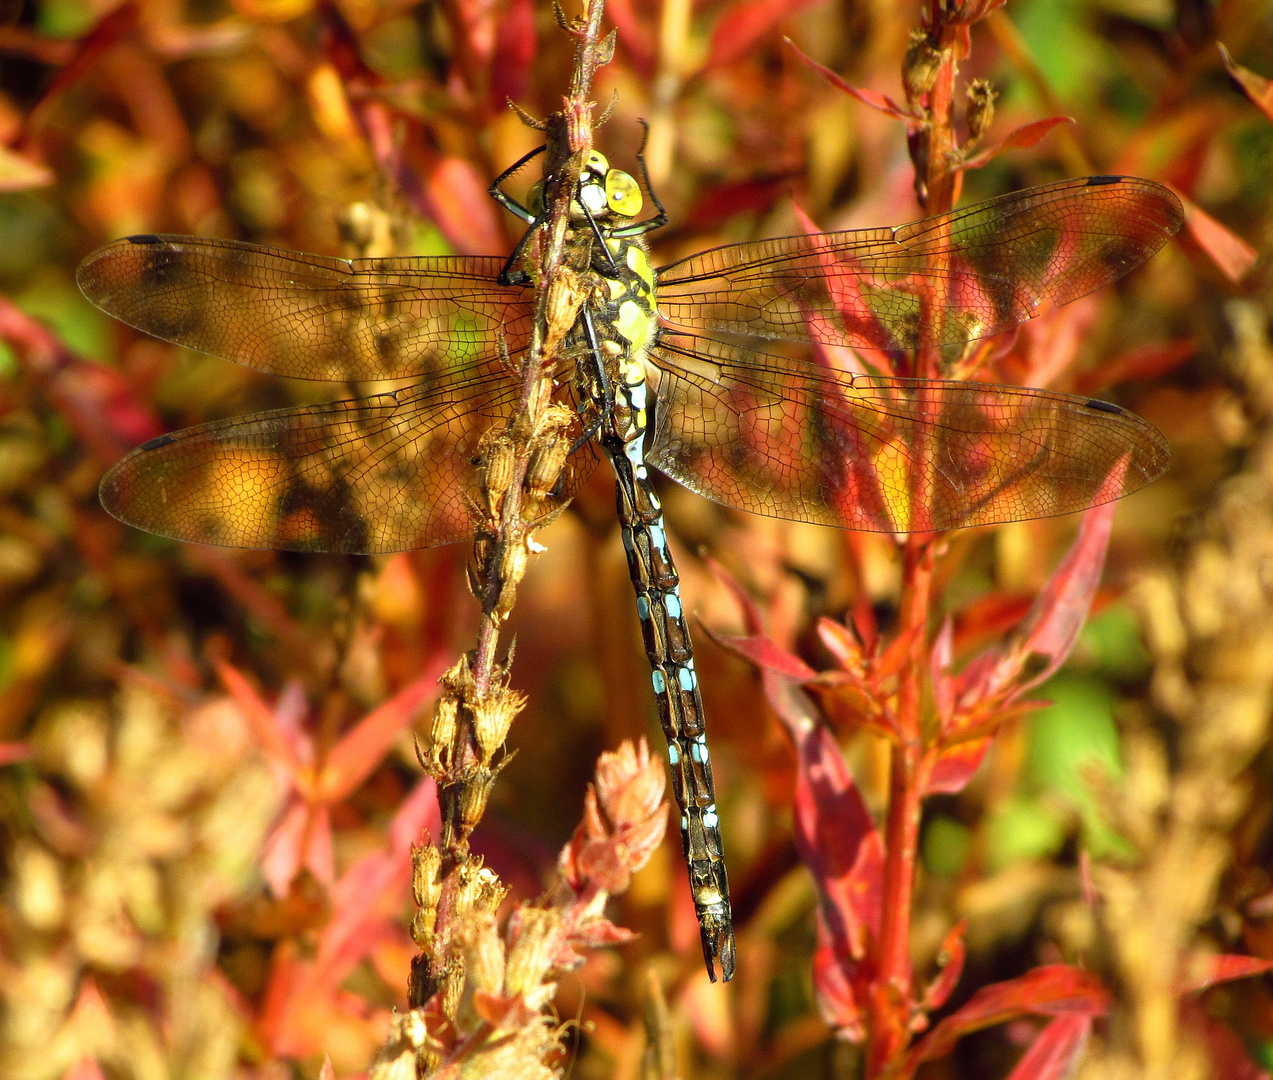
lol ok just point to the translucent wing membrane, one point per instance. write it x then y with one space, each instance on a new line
390 472
944 280
787 439
307 316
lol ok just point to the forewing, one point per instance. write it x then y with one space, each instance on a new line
307 316
944 280
779 437
390 472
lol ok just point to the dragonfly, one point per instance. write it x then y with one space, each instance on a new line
674 369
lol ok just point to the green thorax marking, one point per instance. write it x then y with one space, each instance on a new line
625 312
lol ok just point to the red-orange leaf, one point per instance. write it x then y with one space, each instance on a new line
1056 1051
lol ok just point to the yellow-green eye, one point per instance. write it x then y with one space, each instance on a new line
596 164
623 193
535 198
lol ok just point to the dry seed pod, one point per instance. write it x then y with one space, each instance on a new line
565 298
546 464
472 799
492 717
497 471
426 880
445 720
920 67
512 566
980 112
530 956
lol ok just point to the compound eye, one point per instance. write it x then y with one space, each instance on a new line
596 164
535 198
623 194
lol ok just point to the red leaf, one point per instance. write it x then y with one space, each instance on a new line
751 613
954 767
514 52
1205 971
765 654
1256 87
837 1003
274 740
14 751
1019 138
455 197
283 849
834 832
873 98
840 643
742 25
1059 612
361 748
1233 255
1056 989
1056 1051
951 958
1138 362
1055 619
941 657
365 899
84 1069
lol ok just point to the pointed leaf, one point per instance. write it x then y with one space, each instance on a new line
1056 1051
1058 614
954 767
834 832
1056 989
284 847
1256 87
1206 971
363 747
951 959
837 1003
272 738
873 98
766 654
1233 255
1019 138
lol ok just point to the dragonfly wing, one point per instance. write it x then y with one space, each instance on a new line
944 280
787 439
307 316
390 472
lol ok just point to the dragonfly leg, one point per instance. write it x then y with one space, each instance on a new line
603 400
496 190
659 219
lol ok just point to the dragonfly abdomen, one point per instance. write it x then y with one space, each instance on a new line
625 326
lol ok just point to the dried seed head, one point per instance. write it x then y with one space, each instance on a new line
472 799
445 720
512 564
451 986
545 465
530 958
980 112
565 298
498 456
483 955
920 67
426 879
492 717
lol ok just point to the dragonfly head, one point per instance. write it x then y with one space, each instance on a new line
604 191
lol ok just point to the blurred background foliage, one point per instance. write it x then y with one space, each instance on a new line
138 936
